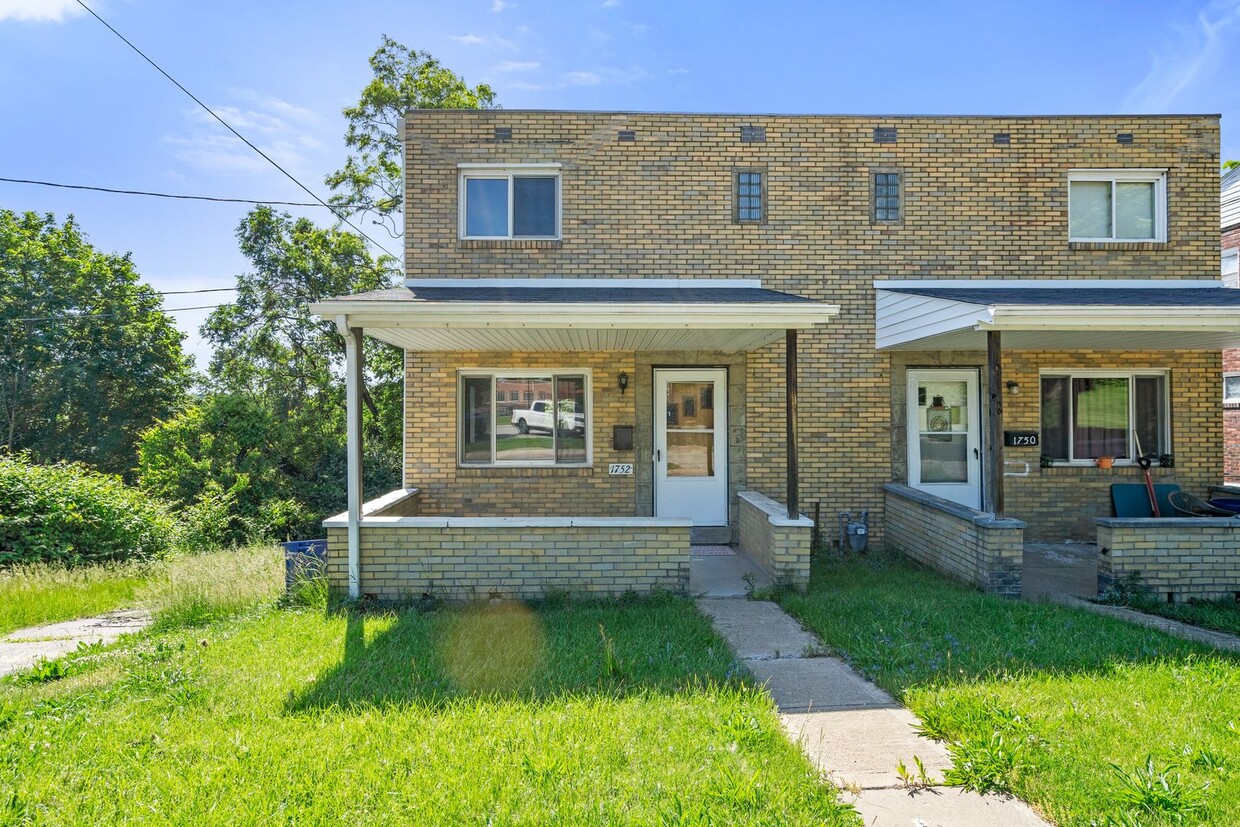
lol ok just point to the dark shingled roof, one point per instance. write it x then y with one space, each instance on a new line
580 295
1108 296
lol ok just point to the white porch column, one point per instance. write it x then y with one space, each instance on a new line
353 406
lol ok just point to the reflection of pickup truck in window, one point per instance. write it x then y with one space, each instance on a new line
538 417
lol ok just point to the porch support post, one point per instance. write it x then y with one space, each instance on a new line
993 500
790 387
353 358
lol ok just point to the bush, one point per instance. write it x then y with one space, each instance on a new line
70 515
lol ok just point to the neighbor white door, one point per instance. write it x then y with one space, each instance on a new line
944 435
691 445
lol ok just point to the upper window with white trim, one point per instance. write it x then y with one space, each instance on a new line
1117 205
509 202
1231 267
1231 388
1091 414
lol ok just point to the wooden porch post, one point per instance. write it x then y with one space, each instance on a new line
790 387
354 362
993 499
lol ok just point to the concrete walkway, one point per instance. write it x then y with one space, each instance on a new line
25 647
851 730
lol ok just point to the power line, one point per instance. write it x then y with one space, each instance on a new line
88 316
227 126
187 292
170 195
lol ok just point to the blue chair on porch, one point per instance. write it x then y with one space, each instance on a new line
1132 499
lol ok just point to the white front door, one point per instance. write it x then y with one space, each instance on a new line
944 445
691 445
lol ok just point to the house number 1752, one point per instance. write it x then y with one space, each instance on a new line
622 468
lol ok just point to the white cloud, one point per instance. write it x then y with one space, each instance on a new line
53 11
1194 52
518 66
609 4
277 127
499 5
472 39
582 79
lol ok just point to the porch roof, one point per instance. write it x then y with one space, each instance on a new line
577 315
1057 315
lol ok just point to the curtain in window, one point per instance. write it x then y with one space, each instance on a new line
1055 407
1100 417
1134 209
1089 208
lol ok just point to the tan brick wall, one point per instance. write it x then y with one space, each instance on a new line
783 551
1183 558
431 443
974 548
661 207
406 563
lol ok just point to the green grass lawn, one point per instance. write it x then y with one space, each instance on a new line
34 595
567 713
1042 700
1220 615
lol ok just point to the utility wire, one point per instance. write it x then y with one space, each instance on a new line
88 316
227 126
171 195
186 292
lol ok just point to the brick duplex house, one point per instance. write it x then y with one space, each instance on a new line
1229 206
944 321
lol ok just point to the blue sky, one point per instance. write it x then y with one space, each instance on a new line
80 107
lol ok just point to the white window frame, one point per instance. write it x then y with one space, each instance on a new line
1229 267
507 172
1158 177
1102 373
1226 376
518 373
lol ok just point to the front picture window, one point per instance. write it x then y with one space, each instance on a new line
549 426
1089 416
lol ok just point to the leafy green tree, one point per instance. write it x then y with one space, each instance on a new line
372 179
1228 165
87 358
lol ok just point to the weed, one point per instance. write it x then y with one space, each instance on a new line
1158 792
611 664
982 766
45 670
919 780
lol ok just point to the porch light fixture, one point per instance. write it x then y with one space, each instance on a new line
1013 386
622 382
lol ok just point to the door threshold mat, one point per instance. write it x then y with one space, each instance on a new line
711 551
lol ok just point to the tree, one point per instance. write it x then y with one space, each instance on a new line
87 358
372 179
1229 165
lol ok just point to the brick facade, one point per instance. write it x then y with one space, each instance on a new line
779 545
406 560
1176 559
662 207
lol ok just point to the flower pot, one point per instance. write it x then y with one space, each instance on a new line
1104 462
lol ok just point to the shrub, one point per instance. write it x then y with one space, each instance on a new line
70 515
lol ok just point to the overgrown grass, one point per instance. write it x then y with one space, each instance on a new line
1092 720
565 713
37 594
1220 615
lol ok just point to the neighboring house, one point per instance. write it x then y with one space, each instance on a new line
770 316
1230 216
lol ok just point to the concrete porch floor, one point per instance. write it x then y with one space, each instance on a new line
724 575
1052 570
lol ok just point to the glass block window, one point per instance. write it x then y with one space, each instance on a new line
887 200
750 196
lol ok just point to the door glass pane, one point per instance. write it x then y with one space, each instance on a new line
486 206
942 407
945 457
527 435
570 400
691 405
1099 417
1134 209
476 419
533 206
690 454
1089 208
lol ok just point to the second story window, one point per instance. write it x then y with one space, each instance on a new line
1231 267
1117 205
750 197
509 202
886 202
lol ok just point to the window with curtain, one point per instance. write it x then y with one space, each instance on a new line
1117 205
1121 415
